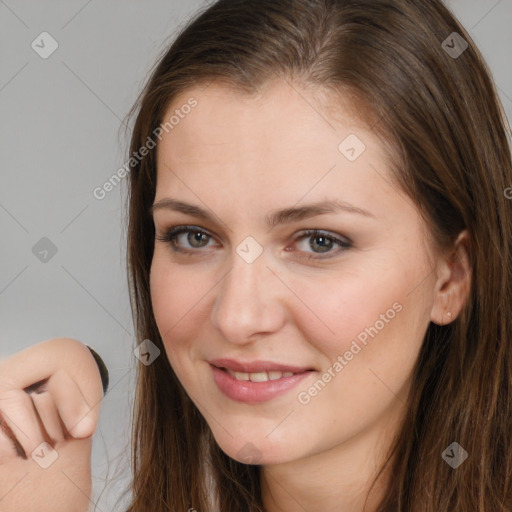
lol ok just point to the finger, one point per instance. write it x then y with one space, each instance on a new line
78 405
78 415
19 414
50 421
38 362
9 446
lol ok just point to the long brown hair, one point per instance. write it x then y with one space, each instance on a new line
440 114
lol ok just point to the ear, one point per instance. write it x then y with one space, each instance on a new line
453 284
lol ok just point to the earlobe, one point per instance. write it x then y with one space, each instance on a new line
454 281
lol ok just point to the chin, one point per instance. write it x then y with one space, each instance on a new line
252 453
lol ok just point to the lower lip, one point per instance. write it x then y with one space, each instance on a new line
254 392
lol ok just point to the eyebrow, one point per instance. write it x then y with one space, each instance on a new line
284 216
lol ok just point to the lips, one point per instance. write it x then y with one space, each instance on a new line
250 392
256 366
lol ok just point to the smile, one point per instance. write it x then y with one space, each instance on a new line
256 387
259 376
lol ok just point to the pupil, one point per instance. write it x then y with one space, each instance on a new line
198 237
323 240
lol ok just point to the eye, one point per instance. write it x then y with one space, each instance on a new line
189 239
321 242
195 237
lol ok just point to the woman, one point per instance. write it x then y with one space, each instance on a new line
370 368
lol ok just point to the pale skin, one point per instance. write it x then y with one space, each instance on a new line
241 159
64 414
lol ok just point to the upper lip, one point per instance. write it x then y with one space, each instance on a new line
256 366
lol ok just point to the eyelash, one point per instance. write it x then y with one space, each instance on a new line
172 234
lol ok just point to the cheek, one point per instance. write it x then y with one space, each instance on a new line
180 297
338 310
368 359
372 306
175 298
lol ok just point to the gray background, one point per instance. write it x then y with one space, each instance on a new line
60 138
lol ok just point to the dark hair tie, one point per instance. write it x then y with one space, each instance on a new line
102 368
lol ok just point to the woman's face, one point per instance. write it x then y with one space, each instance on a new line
350 304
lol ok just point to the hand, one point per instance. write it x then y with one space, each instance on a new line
50 399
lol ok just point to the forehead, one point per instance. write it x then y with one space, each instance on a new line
281 108
287 139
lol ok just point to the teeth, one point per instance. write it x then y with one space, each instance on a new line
259 376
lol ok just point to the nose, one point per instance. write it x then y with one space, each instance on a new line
248 301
